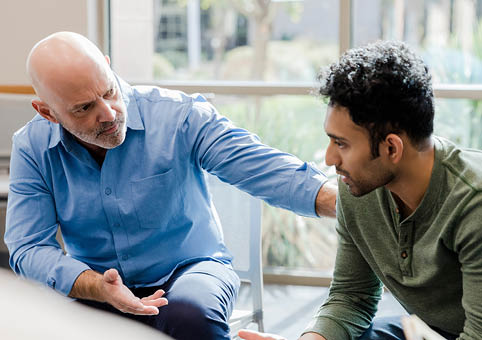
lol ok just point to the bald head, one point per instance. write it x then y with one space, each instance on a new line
77 89
60 59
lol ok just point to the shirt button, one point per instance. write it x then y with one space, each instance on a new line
397 211
404 254
108 191
117 225
125 257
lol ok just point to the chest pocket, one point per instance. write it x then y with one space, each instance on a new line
157 200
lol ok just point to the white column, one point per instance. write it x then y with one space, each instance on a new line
194 33
132 39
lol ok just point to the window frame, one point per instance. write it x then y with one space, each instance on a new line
289 276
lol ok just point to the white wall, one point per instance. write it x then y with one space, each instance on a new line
24 22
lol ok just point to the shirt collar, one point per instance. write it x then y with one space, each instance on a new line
134 120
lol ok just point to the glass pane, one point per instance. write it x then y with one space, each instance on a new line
277 40
447 33
293 124
459 120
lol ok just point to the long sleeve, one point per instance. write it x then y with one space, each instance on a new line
354 293
239 158
468 245
32 225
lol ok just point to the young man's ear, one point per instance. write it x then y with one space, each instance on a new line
44 110
393 147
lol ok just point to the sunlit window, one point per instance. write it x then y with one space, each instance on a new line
286 42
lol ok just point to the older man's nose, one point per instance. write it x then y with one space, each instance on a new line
107 113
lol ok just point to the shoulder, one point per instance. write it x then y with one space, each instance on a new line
163 103
461 165
37 135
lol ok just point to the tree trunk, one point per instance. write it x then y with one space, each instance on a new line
260 48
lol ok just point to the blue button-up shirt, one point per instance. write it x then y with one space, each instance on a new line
147 209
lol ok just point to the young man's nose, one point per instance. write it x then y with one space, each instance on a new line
331 157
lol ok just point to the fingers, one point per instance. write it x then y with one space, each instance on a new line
253 335
156 302
137 308
157 294
155 299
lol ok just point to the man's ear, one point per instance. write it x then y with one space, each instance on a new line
393 147
44 110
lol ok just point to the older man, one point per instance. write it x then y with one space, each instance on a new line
121 170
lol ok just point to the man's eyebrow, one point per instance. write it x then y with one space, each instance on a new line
111 85
78 106
336 137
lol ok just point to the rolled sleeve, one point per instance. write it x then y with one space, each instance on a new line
328 328
63 275
305 184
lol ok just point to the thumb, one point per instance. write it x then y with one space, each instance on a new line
111 276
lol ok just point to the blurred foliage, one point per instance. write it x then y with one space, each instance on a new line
161 67
293 60
292 124
459 120
178 59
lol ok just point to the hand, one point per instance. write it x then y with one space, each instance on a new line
253 335
119 296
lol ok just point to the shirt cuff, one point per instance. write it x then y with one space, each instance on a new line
328 328
305 184
62 277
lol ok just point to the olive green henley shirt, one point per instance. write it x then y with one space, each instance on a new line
430 261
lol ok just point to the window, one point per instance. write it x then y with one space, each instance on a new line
259 71
447 33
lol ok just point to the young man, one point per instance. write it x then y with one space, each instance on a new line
121 170
409 208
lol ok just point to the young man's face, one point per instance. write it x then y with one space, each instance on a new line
349 151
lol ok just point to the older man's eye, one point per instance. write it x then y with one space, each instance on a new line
84 108
110 93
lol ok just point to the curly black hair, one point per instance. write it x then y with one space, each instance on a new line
386 89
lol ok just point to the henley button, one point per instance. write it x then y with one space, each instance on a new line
108 191
125 257
117 225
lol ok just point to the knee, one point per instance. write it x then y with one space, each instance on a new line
384 328
186 320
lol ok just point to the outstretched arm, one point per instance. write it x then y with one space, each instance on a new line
91 285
